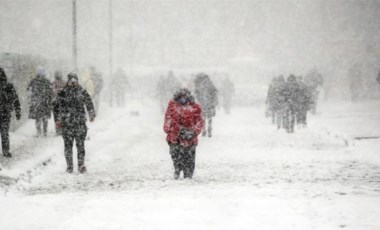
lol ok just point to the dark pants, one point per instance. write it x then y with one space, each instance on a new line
44 122
183 159
4 131
77 133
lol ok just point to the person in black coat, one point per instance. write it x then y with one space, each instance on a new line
302 102
275 100
41 101
291 99
72 101
8 102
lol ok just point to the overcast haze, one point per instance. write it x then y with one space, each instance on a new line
271 37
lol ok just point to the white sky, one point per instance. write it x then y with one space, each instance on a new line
274 35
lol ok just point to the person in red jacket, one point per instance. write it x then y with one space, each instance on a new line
183 123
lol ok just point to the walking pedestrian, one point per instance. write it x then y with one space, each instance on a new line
8 102
183 123
73 102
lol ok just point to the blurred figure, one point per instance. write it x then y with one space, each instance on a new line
58 85
313 81
160 93
378 78
119 86
302 103
356 82
183 123
290 94
166 87
93 82
8 102
41 101
73 102
276 100
207 95
227 91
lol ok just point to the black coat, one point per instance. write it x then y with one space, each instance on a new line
72 102
8 101
41 98
275 96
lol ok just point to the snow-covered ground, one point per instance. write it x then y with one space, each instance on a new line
248 176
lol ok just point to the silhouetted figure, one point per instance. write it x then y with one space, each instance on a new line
98 87
8 102
313 81
291 103
276 100
119 86
227 92
302 103
73 102
207 96
41 101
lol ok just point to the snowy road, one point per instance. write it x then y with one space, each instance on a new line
248 176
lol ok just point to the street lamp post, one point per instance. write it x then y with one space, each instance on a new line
75 58
110 39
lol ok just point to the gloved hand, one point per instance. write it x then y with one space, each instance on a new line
18 116
186 134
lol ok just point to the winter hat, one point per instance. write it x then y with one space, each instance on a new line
72 76
41 72
3 77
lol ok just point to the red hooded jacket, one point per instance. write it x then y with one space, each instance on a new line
179 116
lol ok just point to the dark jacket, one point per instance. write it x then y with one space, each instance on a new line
8 99
41 98
291 92
275 96
72 102
303 95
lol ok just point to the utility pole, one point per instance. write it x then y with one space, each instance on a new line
110 40
75 58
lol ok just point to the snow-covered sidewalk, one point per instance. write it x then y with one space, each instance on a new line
248 176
